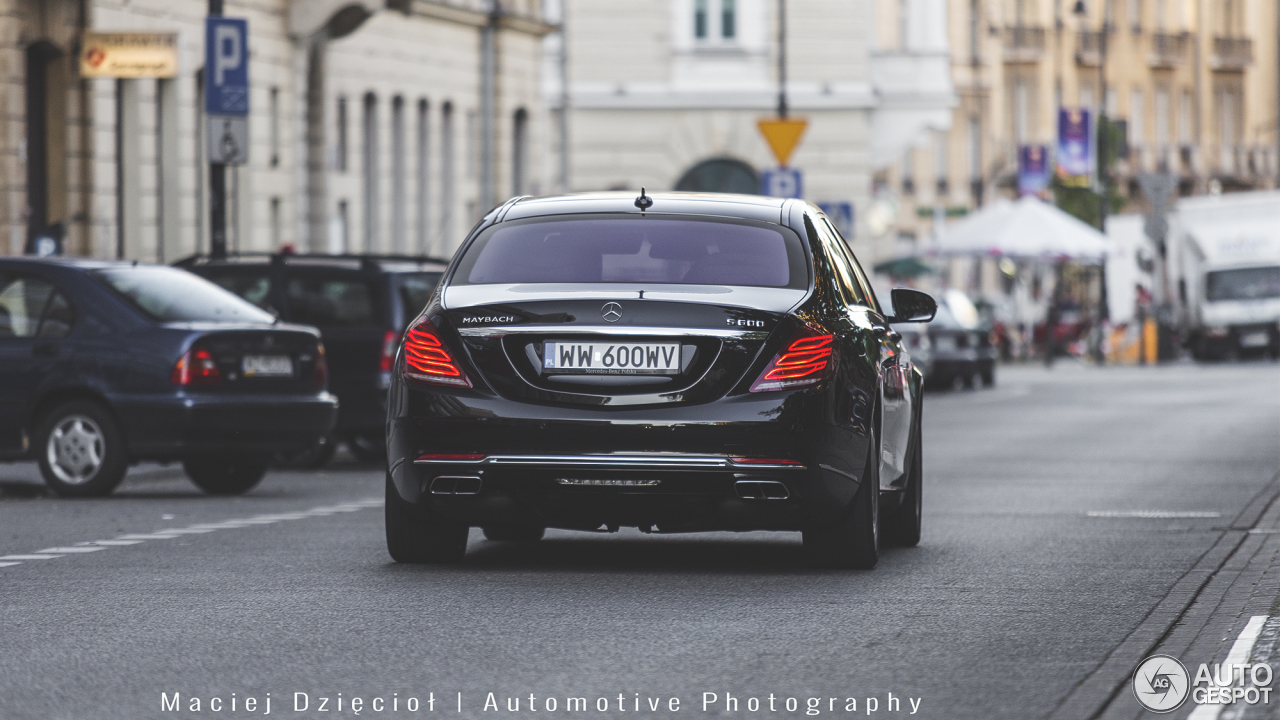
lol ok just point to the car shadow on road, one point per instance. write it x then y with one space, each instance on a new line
764 555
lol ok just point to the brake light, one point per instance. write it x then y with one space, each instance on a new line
765 461
196 367
426 358
320 376
390 339
805 361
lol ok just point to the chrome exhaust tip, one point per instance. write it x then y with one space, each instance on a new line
455 485
761 490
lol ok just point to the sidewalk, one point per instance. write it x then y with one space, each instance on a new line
1226 608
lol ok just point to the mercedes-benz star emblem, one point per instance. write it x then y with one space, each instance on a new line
611 312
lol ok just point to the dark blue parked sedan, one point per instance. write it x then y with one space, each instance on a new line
107 363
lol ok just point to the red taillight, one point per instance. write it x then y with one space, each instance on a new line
765 461
196 367
452 457
390 339
426 358
805 361
320 376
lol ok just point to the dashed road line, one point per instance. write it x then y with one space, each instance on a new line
1153 514
91 546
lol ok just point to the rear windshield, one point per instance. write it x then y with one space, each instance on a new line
635 249
167 294
331 302
415 291
1244 284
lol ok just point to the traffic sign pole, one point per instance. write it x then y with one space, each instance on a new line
217 173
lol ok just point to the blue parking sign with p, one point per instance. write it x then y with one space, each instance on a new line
226 66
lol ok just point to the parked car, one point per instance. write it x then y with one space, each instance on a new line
361 303
106 363
963 354
676 362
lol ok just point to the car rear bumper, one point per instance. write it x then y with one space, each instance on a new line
666 469
189 423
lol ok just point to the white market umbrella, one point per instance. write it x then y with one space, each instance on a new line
1028 228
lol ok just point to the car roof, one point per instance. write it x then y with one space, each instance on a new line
747 207
368 262
83 263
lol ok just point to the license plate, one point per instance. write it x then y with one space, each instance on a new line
1254 339
267 366
595 358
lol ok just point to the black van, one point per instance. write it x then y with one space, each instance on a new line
361 303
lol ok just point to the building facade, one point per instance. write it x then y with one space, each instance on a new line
1194 81
375 125
667 95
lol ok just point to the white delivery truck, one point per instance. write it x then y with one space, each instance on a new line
1225 254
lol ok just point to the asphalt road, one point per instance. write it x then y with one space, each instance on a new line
1028 576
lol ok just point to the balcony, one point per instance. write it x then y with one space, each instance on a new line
1023 44
1089 47
1231 53
1168 50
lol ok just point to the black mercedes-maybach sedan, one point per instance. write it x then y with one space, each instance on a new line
675 362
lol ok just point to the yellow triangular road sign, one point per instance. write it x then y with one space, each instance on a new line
783 135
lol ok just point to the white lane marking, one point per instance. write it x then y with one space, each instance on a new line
1156 514
1237 655
89 546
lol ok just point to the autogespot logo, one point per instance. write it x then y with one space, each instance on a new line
1161 683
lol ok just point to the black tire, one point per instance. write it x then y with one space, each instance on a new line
313 457
81 450
368 447
417 535
904 527
225 475
853 541
514 533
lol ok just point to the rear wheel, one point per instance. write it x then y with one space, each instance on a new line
904 529
513 533
81 450
417 535
230 475
853 541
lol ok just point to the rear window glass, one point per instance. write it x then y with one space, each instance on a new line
634 249
1244 284
171 295
254 287
331 302
415 291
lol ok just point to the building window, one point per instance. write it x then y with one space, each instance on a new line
372 196
940 168
340 230
398 179
447 201
1020 110
340 151
274 102
715 19
700 19
519 151
975 23
1184 117
728 20
1162 116
277 228
423 178
1136 119
975 148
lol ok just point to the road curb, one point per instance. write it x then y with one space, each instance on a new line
1102 690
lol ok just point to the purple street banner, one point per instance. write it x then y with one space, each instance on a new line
1033 170
1075 147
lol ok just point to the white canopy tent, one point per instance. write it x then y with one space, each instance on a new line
1028 229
